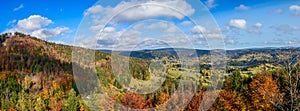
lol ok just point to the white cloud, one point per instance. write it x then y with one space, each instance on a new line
124 39
267 42
238 23
231 42
186 23
203 32
111 38
160 25
279 11
18 8
215 35
258 25
164 26
151 10
94 10
291 43
109 29
135 38
295 8
114 36
286 28
210 4
47 33
242 7
177 41
277 39
34 22
134 10
11 22
97 27
254 31
198 29
35 25
172 29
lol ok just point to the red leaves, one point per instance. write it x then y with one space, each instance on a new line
134 100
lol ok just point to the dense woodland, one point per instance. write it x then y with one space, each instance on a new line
37 75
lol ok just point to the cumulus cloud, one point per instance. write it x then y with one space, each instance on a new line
287 29
214 35
109 29
132 11
34 22
238 23
210 4
186 23
160 25
94 10
242 7
47 33
97 27
231 42
110 38
11 22
18 8
137 37
116 35
279 11
292 43
296 9
277 39
125 39
254 31
198 29
202 32
258 25
143 12
164 26
36 25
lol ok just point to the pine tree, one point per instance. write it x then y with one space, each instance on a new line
72 103
40 104
22 101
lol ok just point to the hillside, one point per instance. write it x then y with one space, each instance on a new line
38 68
38 75
21 52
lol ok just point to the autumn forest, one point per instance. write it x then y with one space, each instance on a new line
38 75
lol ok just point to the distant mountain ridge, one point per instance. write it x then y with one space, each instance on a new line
149 53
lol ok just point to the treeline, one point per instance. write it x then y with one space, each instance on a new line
268 90
38 92
26 55
31 78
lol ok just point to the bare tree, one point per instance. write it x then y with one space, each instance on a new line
290 73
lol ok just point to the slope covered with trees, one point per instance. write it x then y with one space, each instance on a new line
38 75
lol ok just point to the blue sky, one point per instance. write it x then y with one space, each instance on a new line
244 23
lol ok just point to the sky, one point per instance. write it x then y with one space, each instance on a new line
146 24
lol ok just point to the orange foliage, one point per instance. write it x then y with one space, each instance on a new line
163 98
196 101
264 92
229 100
134 100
